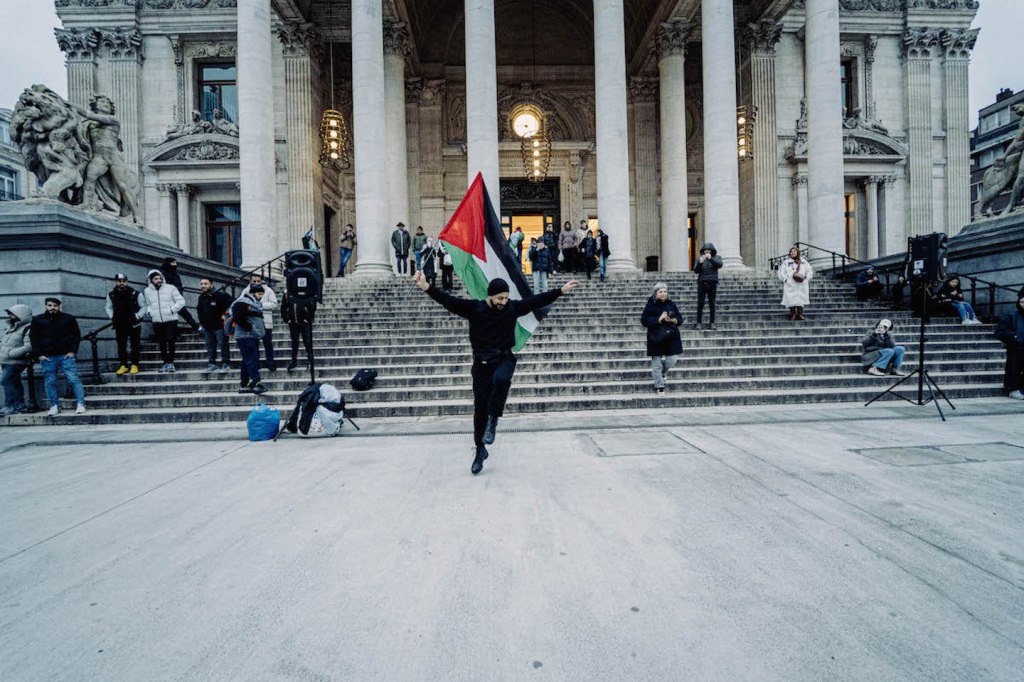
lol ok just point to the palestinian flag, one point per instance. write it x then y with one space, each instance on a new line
480 252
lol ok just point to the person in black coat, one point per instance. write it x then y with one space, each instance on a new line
210 309
707 267
55 339
602 253
492 335
299 317
1011 332
169 269
661 318
124 305
869 287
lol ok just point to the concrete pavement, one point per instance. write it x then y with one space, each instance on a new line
818 542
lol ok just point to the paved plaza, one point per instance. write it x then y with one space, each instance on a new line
796 543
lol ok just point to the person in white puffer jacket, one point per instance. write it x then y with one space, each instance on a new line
163 301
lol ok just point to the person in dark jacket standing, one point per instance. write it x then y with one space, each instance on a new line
550 239
210 307
880 354
169 269
602 253
661 318
1011 332
401 242
15 354
124 310
247 315
55 340
588 252
427 261
707 267
540 262
299 317
492 335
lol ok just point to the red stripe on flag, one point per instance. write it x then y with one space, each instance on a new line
465 230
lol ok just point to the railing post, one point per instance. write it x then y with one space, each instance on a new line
32 405
888 285
974 293
991 301
833 262
94 343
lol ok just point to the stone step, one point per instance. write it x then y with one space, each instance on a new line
427 376
447 395
673 398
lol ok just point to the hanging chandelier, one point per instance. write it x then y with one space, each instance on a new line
527 123
334 138
745 117
333 131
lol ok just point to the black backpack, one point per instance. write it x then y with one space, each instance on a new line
364 380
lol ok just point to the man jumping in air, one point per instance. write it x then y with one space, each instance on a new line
492 326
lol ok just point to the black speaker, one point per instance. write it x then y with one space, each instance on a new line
303 279
928 256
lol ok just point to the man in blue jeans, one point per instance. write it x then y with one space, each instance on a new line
55 339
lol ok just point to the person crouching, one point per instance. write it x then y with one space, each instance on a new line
880 353
247 313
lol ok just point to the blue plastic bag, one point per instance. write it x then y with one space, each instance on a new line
263 422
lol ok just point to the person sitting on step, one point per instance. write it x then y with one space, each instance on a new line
950 294
869 287
880 354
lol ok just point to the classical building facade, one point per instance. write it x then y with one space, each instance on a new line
15 180
750 123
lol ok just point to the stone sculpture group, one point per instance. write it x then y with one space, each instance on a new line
75 152
1007 172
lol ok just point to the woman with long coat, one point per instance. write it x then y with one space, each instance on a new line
795 273
661 318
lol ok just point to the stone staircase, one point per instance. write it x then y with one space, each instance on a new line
588 354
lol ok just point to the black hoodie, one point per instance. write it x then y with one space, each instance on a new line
707 271
171 275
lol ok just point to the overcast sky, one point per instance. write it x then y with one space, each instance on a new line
29 53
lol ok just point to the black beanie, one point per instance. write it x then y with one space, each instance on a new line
497 286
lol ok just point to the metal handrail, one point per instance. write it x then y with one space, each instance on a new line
840 270
92 337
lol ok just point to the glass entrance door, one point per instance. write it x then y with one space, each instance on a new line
533 227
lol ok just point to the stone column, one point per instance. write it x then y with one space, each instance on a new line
647 230
957 46
369 135
871 206
300 43
721 167
413 93
824 130
802 219
79 46
256 133
612 136
125 46
183 193
761 39
482 98
396 49
431 162
918 46
672 39
165 213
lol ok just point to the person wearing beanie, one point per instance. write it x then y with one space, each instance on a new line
1011 332
163 301
247 314
881 355
707 267
124 310
492 336
55 339
662 319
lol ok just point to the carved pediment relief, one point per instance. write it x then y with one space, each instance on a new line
857 143
195 150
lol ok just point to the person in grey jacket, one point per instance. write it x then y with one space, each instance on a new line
15 354
247 316
707 267
269 304
163 301
401 242
880 354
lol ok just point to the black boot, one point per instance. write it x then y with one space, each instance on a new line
492 425
293 364
478 460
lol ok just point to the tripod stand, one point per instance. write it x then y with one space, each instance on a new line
923 378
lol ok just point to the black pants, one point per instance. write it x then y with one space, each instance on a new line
166 336
1014 379
124 335
306 332
402 262
185 315
268 349
447 281
869 290
491 381
708 290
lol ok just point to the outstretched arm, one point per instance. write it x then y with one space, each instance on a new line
528 305
454 304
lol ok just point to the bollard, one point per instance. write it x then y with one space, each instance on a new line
32 405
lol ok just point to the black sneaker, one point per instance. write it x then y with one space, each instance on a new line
244 389
492 425
291 365
259 388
